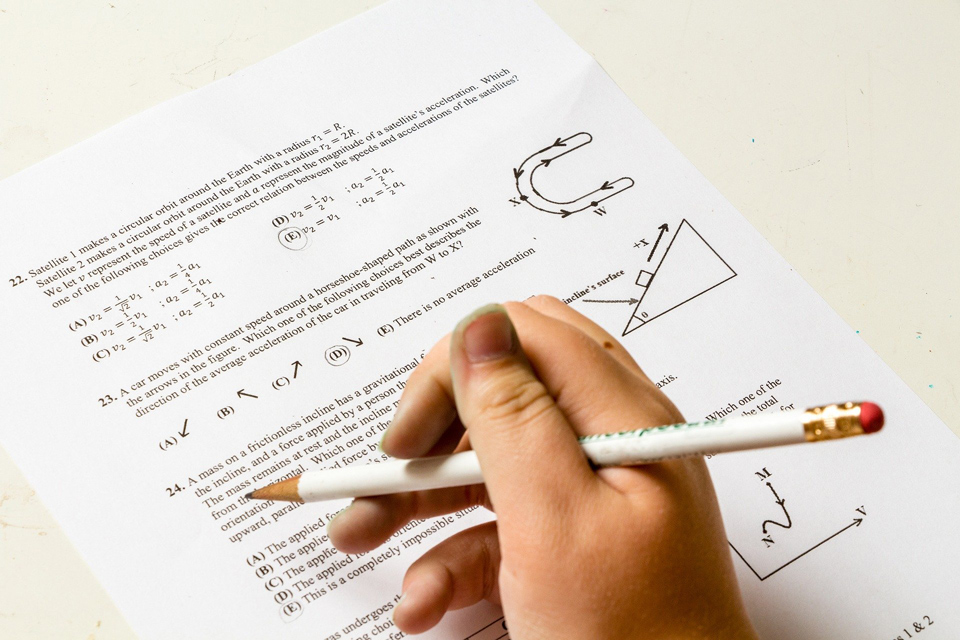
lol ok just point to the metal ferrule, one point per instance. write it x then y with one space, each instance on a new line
832 421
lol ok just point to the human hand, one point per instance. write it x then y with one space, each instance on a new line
614 553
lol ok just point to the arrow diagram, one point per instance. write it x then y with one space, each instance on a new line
357 342
856 523
663 229
183 432
630 301
523 177
780 501
243 393
296 367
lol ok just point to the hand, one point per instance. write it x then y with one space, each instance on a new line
616 553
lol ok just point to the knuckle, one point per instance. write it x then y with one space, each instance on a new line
514 398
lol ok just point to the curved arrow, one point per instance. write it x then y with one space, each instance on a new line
780 501
523 177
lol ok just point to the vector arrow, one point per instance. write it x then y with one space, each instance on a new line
782 502
242 393
357 342
296 366
183 432
856 523
663 229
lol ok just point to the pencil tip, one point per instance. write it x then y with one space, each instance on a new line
285 490
249 495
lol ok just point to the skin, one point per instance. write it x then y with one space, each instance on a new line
617 553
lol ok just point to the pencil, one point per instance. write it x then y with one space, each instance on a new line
624 448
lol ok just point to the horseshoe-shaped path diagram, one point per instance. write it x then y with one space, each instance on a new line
523 176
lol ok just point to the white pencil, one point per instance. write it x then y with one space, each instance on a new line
624 448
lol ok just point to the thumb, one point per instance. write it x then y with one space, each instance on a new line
527 449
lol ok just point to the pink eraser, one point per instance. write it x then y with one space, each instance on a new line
871 417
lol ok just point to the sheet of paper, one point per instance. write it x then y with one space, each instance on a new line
233 286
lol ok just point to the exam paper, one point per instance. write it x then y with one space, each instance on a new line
232 288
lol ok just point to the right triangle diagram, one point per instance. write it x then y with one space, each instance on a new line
689 267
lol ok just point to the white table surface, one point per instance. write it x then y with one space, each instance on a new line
834 127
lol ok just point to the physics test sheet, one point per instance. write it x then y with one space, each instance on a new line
232 288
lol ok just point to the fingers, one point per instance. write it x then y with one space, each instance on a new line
550 306
588 381
593 387
427 403
369 522
555 308
596 392
519 433
457 573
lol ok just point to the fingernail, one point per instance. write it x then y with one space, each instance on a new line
337 517
383 438
414 595
488 334
394 420
393 614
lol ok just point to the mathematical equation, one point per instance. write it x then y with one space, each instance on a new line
342 132
297 226
138 316
378 183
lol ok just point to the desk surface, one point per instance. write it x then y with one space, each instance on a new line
831 126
